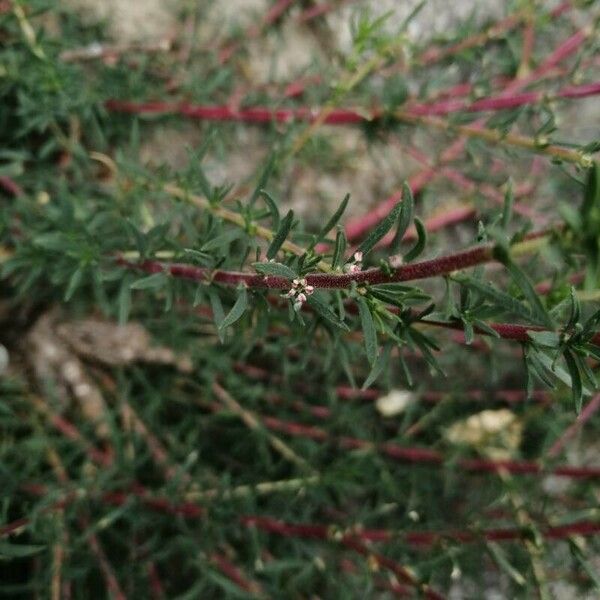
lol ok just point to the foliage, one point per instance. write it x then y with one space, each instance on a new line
256 470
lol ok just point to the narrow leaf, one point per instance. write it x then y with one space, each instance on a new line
419 246
224 239
509 199
406 212
378 367
369 331
498 297
320 306
591 194
380 231
74 282
333 221
339 249
8 550
550 339
263 179
237 310
154 281
537 308
272 205
274 268
281 235
502 561
576 385
217 310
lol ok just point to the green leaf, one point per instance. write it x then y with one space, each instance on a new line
281 235
509 200
590 569
8 550
224 239
576 385
237 310
502 561
74 282
154 281
498 297
378 367
319 304
380 231
550 339
485 328
591 193
263 179
51 241
333 221
574 308
339 249
274 268
369 331
405 218
395 92
272 206
217 310
468 331
551 366
419 246
537 308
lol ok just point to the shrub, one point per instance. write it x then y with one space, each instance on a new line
205 395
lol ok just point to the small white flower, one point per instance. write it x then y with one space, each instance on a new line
299 292
355 266
394 403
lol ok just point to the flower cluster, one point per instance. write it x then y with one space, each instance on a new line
355 265
299 292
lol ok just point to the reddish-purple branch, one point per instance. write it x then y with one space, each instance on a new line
427 456
425 269
410 272
415 538
343 116
434 55
587 413
235 574
10 186
502 101
356 228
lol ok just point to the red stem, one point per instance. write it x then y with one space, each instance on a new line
235 574
356 228
10 186
502 101
434 55
273 14
415 538
434 267
342 116
431 457
586 414
106 569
